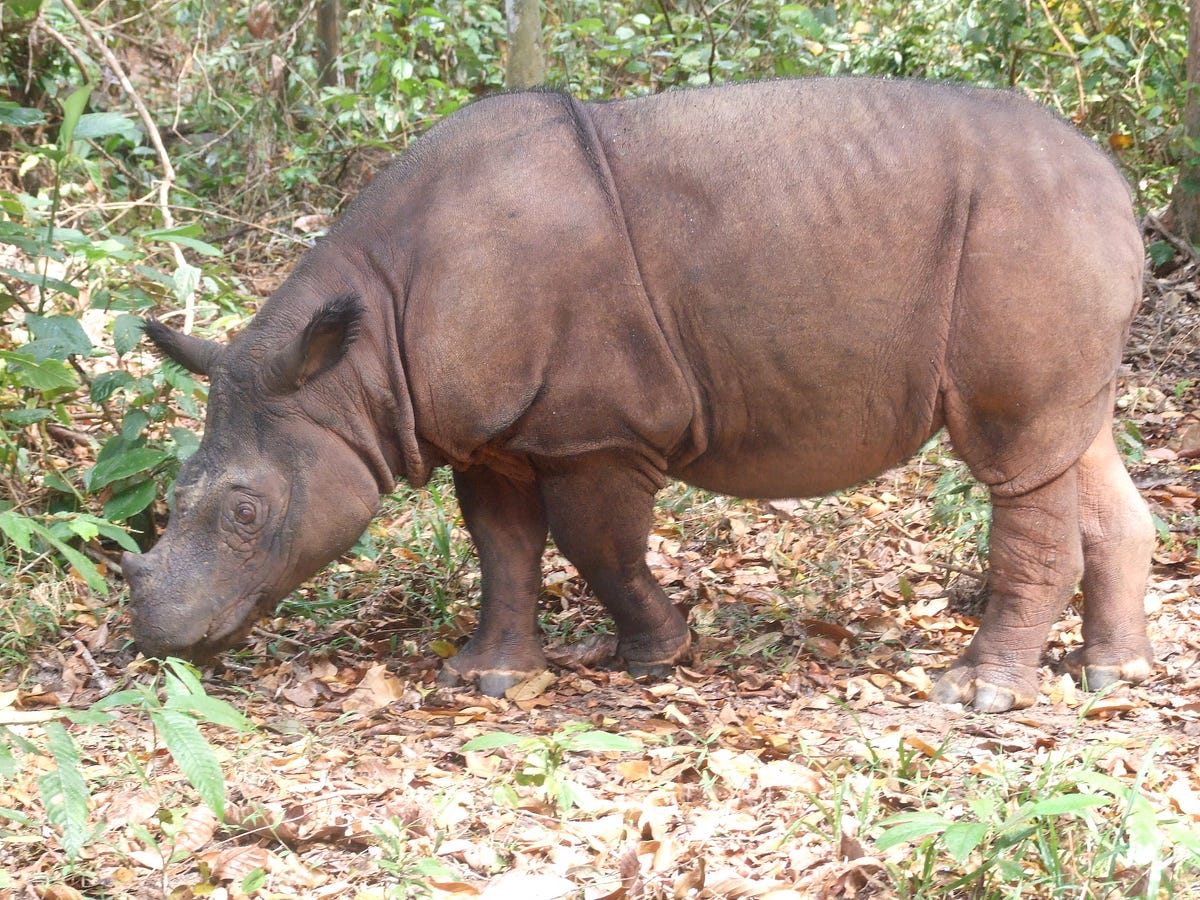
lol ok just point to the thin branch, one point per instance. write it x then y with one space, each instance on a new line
1062 38
168 179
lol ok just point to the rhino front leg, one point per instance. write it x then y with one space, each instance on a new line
600 511
508 525
1118 540
1036 557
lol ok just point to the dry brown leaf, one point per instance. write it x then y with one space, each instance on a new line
235 863
376 689
532 687
59 892
197 830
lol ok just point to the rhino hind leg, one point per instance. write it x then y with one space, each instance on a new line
1036 557
1118 540
600 511
508 525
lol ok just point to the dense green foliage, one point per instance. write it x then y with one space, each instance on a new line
94 430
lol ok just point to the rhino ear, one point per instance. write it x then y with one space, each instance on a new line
195 354
320 347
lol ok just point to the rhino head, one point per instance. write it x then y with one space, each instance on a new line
286 478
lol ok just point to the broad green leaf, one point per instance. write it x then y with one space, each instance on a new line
84 566
1063 804
193 755
910 827
41 375
254 879
114 533
19 116
184 235
106 384
185 280
106 471
598 741
212 710
73 108
120 507
19 818
63 791
58 336
24 417
53 284
126 331
182 679
492 741
18 529
103 124
962 838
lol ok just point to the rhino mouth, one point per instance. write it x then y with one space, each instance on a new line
231 626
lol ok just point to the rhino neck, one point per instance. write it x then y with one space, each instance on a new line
395 451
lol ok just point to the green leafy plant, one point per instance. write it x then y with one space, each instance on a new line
539 762
409 871
176 716
1011 836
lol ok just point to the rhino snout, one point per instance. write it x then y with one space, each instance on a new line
161 627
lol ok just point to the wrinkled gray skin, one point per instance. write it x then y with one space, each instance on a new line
767 290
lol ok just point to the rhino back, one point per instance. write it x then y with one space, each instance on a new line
836 260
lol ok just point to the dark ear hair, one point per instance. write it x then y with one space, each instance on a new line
320 347
194 354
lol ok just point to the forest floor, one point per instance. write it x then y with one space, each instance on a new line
768 767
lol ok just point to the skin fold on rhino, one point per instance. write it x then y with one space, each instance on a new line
765 290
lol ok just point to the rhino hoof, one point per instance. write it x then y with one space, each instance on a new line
1098 676
657 671
491 682
971 686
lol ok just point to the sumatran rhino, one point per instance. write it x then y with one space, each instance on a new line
766 290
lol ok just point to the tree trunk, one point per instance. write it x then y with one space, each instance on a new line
1185 197
328 40
526 65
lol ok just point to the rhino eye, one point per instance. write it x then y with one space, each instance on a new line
245 513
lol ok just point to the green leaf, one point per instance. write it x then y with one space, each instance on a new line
73 108
63 791
910 827
53 284
183 679
57 336
120 507
1062 804
962 838
124 465
103 124
212 710
19 116
492 741
84 566
193 755
184 235
126 331
254 879
18 529
8 763
41 375
600 741
185 280
24 417
106 384
114 533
